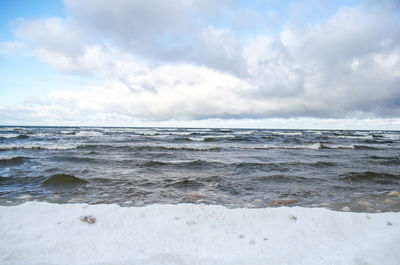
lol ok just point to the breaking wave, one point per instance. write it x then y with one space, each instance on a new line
60 180
12 160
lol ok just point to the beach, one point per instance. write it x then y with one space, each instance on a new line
44 233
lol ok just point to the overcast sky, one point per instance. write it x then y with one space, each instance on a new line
206 63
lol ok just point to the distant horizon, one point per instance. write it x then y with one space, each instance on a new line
197 127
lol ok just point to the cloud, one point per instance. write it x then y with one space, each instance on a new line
10 48
162 60
346 55
161 29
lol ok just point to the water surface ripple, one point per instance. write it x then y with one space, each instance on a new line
356 170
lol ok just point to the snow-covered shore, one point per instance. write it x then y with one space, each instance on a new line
44 233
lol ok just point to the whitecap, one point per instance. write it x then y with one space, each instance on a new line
89 133
287 133
338 146
391 136
49 146
314 146
181 133
9 135
199 139
244 132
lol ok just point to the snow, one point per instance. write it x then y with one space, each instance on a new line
44 233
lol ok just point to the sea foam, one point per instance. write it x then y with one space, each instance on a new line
44 233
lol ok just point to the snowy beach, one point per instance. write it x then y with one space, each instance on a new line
45 233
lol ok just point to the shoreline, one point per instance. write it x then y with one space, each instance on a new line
41 232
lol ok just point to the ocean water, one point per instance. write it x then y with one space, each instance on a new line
341 170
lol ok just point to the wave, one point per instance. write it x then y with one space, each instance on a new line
315 146
183 133
377 177
68 132
385 160
225 131
281 178
21 181
337 146
244 132
77 159
379 141
154 132
392 136
147 147
237 165
4 180
12 160
241 138
38 146
187 148
185 184
22 136
197 139
67 146
287 133
98 146
315 132
200 137
177 163
354 146
61 180
89 133
11 129
383 157
323 164
356 137
13 135
203 139
367 147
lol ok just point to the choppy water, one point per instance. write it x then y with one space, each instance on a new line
231 167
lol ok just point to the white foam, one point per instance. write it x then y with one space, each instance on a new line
9 135
244 132
43 233
160 136
8 157
199 139
50 146
286 133
338 146
220 136
357 137
315 132
314 146
67 131
181 133
392 136
89 133
199 130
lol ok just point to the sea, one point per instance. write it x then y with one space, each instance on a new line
343 170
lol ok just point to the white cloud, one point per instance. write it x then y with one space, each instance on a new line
8 48
162 60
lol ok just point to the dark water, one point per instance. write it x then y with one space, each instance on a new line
232 167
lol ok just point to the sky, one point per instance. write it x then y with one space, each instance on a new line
201 63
